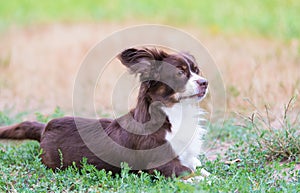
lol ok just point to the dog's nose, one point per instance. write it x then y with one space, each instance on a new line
202 82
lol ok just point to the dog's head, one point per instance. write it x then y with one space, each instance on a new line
166 78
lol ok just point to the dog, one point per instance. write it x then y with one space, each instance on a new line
147 137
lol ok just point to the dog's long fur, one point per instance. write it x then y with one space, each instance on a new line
169 82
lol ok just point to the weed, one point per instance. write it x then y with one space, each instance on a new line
277 137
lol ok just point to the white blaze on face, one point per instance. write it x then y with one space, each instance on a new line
192 88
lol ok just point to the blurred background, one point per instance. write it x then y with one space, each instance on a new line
255 44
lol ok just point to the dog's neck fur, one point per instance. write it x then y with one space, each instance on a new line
186 133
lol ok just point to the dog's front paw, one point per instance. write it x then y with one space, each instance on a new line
193 179
204 173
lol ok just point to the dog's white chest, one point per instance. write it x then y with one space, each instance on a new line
186 133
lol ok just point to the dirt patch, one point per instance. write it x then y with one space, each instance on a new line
217 149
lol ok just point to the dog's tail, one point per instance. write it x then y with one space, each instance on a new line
24 130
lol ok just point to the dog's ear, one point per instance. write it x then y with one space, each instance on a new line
142 61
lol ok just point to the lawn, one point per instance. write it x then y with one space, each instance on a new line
245 167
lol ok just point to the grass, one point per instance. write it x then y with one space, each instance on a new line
243 168
22 171
275 18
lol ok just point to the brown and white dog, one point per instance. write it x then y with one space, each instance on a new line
152 136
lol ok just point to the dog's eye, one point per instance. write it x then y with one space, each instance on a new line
180 73
196 70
